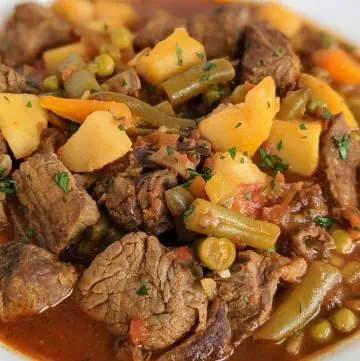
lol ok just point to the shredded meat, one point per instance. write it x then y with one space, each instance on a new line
312 242
31 280
51 140
136 279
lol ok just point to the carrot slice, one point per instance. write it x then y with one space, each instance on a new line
197 187
78 110
340 65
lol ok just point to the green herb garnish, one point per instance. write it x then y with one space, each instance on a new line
142 291
179 54
343 145
62 180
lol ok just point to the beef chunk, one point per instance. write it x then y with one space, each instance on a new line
32 29
268 52
211 344
138 203
158 27
250 290
126 82
31 280
341 173
220 30
57 214
86 180
11 81
138 280
312 242
51 140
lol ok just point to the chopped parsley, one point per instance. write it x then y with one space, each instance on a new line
74 127
189 211
245 154
304 137
62 180
2 171
302 126
29 177
325 222
242 160
326 114
238 125
142 291
222 157
273 162
248 196
109 180
169 151
6 98
106 27
278 53
208 66
179 54
280 145
272 183
7 185
30 233
207 174
327 41
124 83
28 105
300 306
343 145
121 127
201 56
232 152
205 77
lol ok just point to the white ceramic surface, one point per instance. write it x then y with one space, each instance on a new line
342 16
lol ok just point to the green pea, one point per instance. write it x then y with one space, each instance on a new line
121 38
344 320
322 332
344 243
105 65
51 84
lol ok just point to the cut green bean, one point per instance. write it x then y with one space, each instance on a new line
294 105
178 200
80 81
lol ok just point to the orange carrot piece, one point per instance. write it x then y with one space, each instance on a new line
78 110
340 65
197 187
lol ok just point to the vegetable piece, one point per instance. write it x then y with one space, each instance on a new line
99 229
105 65
256 116
197 187
238 95
210 288
344 320
69 65
146 112
335 103
295 343
217 254
174 55
229 174
54 57
301 303
114 11
80 81
197 80
339 64
22 124
212 96
75 12
78 110
322 332
98 142
281 18
121 38
294 105
344 243
166 107
51 84
297 143
178 199
351 272
210 219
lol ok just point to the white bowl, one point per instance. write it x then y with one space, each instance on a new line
340 16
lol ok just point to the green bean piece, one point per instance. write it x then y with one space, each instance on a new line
316 106
51 84
212 220
74 61
99 229
80 81
322 332
178 200
238 95
211 96
343 241
344 320
301 303
197 80
166 107
146 112
105 65
294 105
351 272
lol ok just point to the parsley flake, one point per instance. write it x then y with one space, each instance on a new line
109 180
106 27
325 222
302 126
124 83
232 152
238 125
208 66
273 162
169 151
189 211
248 196
30 233
300 306
6 98
179 54
201 56
205 77
272 183
242 160
326 114
142 291
278 53
28 105
343 145
2 171
121 127
74 127
280 145
62 180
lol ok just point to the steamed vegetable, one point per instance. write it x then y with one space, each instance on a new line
322 332
77 110
244 126
351 272
178 199
344 243
344 320
294 105
54 57
297 143
80 81
197 80
174 55
339 64
74 11
301 303
217 254
321 90
22 121
146 112
105 65
99 141
210 219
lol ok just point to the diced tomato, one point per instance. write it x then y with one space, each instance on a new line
197 187
250 199
184 253
353 217
138 332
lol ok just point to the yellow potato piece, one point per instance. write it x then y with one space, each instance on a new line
169 57
115 11
22 121
244 126
74 11
98 142
334 101
55 56
298 147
